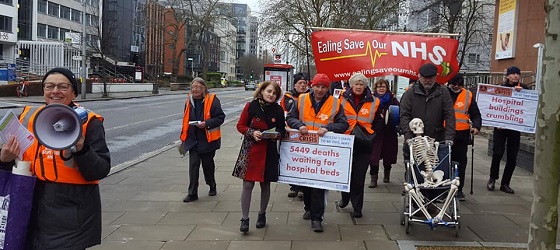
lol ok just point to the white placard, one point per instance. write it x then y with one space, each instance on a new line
314 161
504 107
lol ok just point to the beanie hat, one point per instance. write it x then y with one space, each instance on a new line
513 70
67 73
300 76
358 77
321 79
457 80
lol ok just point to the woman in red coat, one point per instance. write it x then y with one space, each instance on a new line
258 157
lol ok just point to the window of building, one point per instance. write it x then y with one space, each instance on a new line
6 24
63 33
52 33
42 6
473 58
41 30
8 2
64 12
76 16
53 9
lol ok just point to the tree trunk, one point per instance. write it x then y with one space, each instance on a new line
544 212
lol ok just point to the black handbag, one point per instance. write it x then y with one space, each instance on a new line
363 141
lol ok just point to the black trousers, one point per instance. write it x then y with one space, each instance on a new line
314 202
459 153
513 139
208 167
360 162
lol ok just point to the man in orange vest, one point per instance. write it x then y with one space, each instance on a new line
201 136
67 203
466 110
318 111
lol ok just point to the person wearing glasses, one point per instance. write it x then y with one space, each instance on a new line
66 211
201 136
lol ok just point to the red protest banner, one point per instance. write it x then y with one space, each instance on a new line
340 53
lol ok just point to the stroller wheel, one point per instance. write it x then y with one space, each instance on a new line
457 226
407 224
403 208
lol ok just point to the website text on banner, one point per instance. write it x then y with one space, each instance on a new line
503 107
341 53
316 161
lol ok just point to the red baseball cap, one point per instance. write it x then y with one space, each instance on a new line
321 79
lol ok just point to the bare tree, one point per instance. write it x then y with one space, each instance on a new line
250 63
471 19
190 16
293 16
544 211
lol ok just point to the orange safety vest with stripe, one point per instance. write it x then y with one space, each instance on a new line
283 102
364 117
47 164
461 107
325 116
211 134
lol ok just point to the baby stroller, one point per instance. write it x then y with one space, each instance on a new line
431 179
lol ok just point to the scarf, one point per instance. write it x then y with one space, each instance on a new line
385 99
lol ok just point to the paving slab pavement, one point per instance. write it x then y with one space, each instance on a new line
143 209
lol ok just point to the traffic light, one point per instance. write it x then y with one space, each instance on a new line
251 76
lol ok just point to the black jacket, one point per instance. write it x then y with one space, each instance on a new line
68 216
433 108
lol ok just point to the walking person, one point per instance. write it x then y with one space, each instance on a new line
503 135
360 108
386 142
430 102
66 212
322 113
201 136
258 157
289 101
466 110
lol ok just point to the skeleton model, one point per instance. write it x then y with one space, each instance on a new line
423 149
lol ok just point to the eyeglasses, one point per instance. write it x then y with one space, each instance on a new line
60 86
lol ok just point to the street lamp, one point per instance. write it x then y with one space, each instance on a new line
192 62
538 74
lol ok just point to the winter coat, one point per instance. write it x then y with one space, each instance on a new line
258 161
385 145
434 108
196 139
68 216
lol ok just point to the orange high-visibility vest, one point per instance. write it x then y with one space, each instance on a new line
211 134
325 116
364 117
461 107
47 164
282 102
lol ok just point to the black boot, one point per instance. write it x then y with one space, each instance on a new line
261 220
387 174
244 225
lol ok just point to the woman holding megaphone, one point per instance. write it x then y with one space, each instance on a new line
67 204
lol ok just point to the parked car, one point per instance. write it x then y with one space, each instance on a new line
250 86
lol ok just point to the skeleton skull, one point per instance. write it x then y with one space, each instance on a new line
417 126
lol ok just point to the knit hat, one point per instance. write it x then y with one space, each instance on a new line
428 70
513 70
67 73
300 76
358 77
321 79
457 80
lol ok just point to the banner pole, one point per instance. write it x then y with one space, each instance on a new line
390 32
307 53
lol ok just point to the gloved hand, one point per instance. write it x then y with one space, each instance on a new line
449 142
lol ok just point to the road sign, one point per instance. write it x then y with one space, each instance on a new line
77 58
